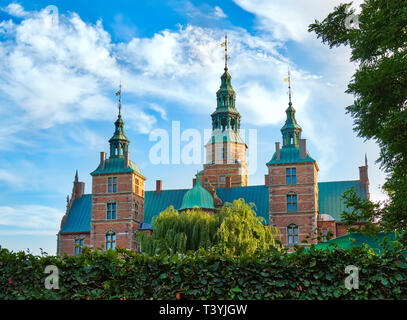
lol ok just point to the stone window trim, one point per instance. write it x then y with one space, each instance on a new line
111 212
110 239
291 175
112 185
292 201
292 234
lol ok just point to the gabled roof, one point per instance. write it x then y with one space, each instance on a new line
330 196
289 154
116 165
79 216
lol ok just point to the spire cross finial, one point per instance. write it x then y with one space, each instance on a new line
119 93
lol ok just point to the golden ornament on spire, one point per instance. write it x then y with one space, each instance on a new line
225 44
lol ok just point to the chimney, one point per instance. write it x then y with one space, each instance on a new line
228 182
102 160
193 182
277 151
126 159
266 179
158 185
303 148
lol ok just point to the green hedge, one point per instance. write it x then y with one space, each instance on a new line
120 274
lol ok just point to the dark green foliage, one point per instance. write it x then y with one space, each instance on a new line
379 86
121 274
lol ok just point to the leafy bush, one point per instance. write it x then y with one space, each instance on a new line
206 274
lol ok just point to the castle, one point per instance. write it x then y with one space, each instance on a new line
291 198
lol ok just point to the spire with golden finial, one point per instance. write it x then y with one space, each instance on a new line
225 44
119 93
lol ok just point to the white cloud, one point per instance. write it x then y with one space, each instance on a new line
30 219
289 19
15 10
219 12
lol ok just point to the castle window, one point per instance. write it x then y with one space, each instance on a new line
111 210
136 208
222 179
78 246
110 241
291 203
112 184
292 234
324 235
291 175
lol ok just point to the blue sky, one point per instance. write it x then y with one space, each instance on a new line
58 79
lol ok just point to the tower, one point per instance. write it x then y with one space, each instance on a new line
226 151
117 194
292 183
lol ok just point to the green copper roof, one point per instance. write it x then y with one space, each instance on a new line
330 196
226 135
251 194
116 165
330 202
78 219
198 196
156 202
358 239
289 154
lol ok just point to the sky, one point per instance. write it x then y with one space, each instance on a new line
61 64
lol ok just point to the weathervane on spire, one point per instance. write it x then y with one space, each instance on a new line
289 85
225 44
119 93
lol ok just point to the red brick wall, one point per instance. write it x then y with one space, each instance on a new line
330 226
306 189
67 242
237 172
130 188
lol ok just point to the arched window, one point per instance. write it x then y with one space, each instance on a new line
110 240
292 234
223 123
291 202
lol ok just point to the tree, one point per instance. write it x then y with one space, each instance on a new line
234 230
242 232
180 232
379 86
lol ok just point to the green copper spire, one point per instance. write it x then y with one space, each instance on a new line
119 144
226 116
291 130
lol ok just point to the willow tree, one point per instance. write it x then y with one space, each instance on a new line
180 232
234 230
242 232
